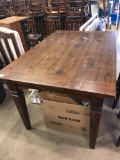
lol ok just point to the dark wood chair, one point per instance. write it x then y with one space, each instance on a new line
38 15
7 55
2 11
33 37
118 141
76 14
55 3
115 103
117 92
9 51
23 8
2 90
54 17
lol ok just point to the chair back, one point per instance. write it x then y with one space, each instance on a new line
30 25
10 46
54 9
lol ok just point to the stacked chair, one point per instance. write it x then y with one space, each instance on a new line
54 16
77 12
38 15
34 24
33 36
11 8
2 10
47 16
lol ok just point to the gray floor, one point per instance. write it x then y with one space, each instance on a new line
16 143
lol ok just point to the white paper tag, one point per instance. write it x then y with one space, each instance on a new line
35 100
1 75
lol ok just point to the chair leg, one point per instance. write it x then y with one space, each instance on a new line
118 83
118 115
116 100
118 142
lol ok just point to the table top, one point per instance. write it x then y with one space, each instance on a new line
12 19
74 61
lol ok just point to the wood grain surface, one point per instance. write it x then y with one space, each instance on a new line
78 62
12 19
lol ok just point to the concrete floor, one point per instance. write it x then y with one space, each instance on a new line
17 143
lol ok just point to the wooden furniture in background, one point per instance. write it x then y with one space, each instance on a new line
17 23
54 17
33 37
34 10
76 14
68 62
2 11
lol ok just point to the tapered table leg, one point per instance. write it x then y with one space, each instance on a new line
95 116
118 142
19 99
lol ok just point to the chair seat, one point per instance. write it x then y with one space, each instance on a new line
2 16
74 17
55 17
35 39
35 36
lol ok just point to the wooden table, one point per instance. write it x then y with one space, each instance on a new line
16 23
72 62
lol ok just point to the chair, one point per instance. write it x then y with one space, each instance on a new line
10 46
118 92
55 3
118 141
54 17
10 49
2 90
38 15
33 37
2 11
23 8
115 103
76 14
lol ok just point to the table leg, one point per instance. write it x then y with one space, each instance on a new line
95 115
19 99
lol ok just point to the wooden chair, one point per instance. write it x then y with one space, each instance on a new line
55 3
38 15
118 141
54 18
37 6
115 103
2 90
23 8
33 37
2 11
77 3
117 92
76 14
9 50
